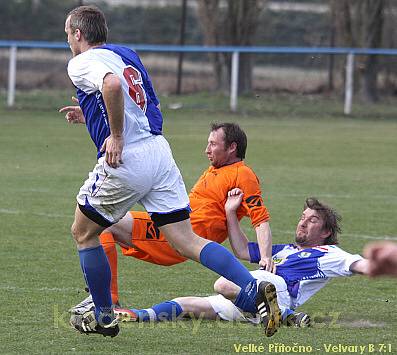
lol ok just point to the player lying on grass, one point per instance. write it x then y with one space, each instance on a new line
302 269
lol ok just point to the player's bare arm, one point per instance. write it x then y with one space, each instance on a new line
114 101
238 240
264 236
74 114
382 258
360 267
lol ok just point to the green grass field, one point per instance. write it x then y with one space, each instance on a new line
298 146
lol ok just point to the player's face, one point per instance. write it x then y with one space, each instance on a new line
216 151
72 40
309 231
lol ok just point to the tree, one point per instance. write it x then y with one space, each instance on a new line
234 25
372 26
359 23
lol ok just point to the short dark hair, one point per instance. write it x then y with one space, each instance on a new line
91 21
330 217
233 133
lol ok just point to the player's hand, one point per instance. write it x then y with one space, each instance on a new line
113 148
74 114
267 264
234 199
382 258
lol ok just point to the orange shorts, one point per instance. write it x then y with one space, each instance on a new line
150 244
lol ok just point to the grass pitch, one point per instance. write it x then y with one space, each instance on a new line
298 146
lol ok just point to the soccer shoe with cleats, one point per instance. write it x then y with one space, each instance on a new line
87 324
84 306
125 315
298 320
268 309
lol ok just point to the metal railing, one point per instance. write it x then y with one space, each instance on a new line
235 51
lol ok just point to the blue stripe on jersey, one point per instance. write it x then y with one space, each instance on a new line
255 255
295 265
278 247
301 265
129 57
96 117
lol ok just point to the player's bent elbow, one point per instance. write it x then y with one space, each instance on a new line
242 253
112 83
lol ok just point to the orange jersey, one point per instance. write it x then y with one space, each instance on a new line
208 197
208 217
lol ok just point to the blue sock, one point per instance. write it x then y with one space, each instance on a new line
142 314
246 299
168 310
97 274
217 258
286 313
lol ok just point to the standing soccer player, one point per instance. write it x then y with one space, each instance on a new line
135 164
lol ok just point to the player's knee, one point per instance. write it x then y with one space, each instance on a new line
226 288
78 234
73 231
220 285
185 252
191 248
182 302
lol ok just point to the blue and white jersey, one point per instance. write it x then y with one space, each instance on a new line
306 271
142 118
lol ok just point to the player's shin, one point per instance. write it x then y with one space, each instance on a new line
96 270
165 311
246 299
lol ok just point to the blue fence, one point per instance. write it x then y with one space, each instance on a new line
208 49
235 51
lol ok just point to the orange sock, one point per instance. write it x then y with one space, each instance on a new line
109 246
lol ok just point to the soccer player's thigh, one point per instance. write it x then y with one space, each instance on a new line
199 307
123 230
226 309
85 230
168 200
182 238
148 243
135 226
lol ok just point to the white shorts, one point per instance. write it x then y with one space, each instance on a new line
227 310
148 175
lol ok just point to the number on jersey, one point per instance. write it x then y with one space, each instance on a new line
135 84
